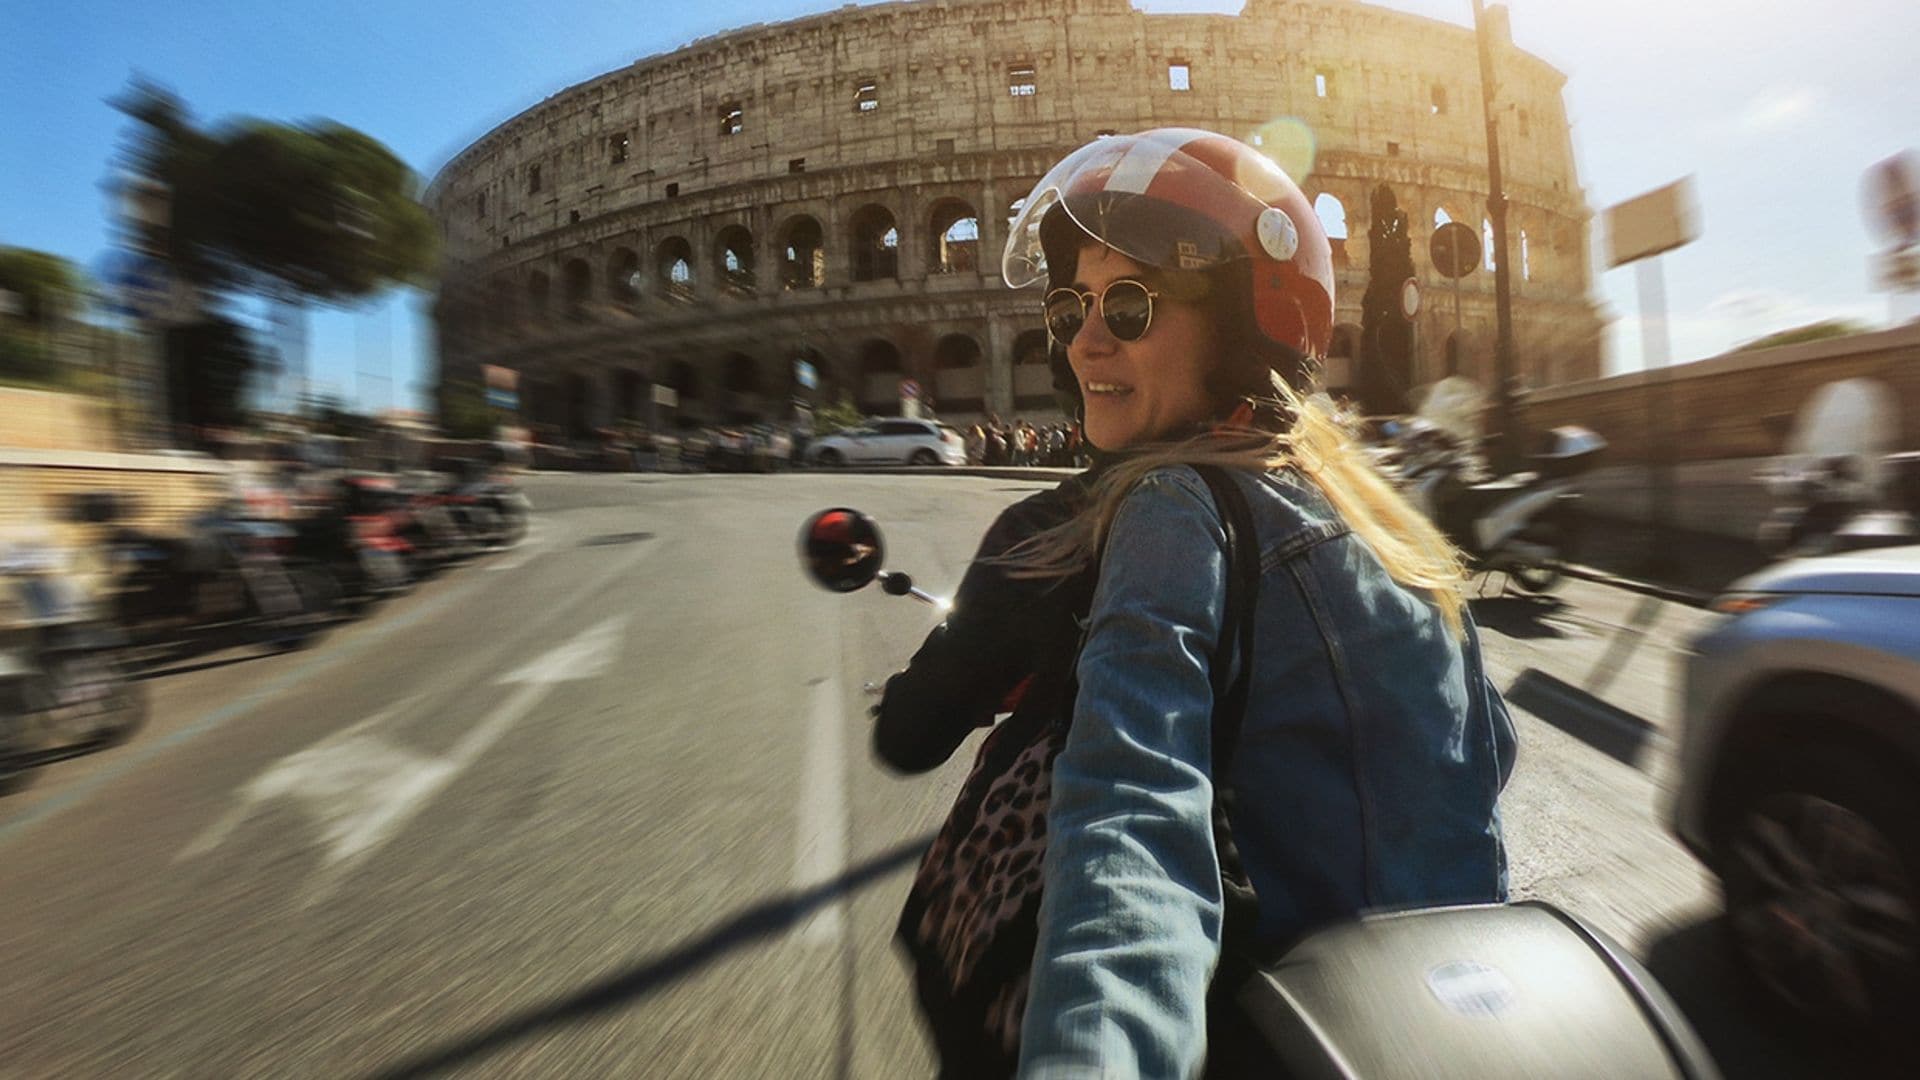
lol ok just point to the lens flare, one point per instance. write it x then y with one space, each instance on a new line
1288 142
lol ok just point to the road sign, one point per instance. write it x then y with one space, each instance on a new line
1659 221
1455 250
1410 298
666 395
805 375
1892 199
503 399
909 390
1897 271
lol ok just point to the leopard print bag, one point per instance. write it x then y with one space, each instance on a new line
971 921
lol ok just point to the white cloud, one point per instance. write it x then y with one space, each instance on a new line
1778 108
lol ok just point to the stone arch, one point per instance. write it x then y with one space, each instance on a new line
733 261
673 267
803 253
577 287
874 243
623 277
631 393
1032 375
881 368
503 312
1333 218
960 374
953 233
539 290
740 374
579 405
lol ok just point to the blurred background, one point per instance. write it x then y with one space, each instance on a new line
406 413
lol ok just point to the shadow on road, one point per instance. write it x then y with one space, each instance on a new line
1745 1036
1607 728
1525 618
763 920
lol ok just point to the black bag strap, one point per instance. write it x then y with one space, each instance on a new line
1236 631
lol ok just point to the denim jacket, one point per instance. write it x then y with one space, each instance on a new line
1371 756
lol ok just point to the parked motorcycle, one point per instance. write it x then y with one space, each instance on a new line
355 537
1490 991
63 686
1526 525
1830 504
226 572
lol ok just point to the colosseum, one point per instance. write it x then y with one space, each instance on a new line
672 240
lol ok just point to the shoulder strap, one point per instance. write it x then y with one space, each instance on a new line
1236 629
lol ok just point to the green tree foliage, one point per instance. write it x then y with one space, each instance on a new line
463 410
310 212
46 287
838 415
43 290
1799 335
208 365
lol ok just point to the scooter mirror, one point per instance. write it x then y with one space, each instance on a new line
841 549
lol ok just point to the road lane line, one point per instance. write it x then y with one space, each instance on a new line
368 637
820 851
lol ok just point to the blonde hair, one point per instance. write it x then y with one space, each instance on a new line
1321 446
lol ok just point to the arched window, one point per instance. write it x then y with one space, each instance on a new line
880 373
803 256
1333 218
1526 258
1486 242
960 383
734 258
955 229
876 244
1441 217
1032 379
623 277
741 375
673 263
578 279
538 288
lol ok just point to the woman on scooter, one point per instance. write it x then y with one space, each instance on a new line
1189 292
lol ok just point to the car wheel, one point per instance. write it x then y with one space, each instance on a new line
831 458
1822 876
924 457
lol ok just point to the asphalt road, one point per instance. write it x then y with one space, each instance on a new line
603 806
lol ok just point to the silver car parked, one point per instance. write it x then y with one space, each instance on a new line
1800 781
897 441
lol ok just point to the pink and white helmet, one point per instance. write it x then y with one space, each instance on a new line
1185 199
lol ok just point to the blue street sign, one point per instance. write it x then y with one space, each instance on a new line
503 399
805 375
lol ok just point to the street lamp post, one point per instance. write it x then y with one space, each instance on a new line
1508 449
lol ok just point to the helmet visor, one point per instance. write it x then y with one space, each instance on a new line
1175 199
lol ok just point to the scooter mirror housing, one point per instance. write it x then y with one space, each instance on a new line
841 549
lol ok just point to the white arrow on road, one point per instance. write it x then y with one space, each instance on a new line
359 789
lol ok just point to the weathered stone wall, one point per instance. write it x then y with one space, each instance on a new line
913 108
1741 405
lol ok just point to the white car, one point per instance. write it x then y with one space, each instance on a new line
1800 780
896 441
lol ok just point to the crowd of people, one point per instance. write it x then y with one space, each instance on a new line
1021 443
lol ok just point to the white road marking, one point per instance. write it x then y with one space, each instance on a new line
528 549
820 851
359 788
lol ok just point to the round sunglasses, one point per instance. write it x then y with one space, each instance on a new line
1126 306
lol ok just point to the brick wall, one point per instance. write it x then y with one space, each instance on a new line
1736 406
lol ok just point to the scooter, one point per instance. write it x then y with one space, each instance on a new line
1526 525
1829 505
63 688
1492 991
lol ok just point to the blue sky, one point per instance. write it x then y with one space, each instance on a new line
1776 111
